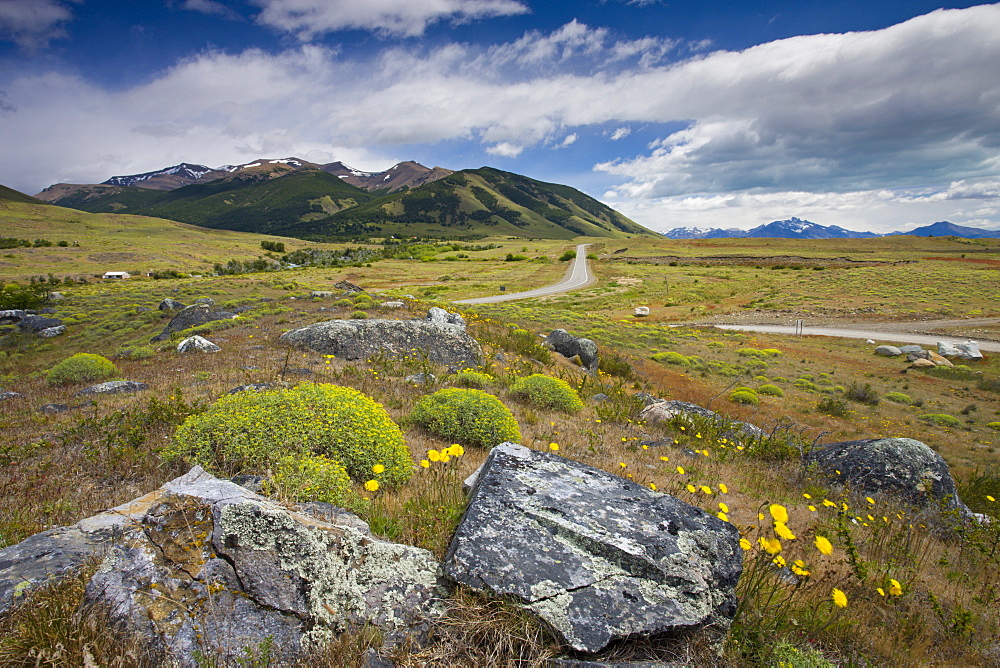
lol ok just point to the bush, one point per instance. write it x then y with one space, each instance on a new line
771 390
81 368
754 352
309 478
671 357
472 417
523 342
615 365
547 392
993 425
14 296
251 431
898 398
343 303
137 353
567 256
470 378
941 419
833 406
975 492
863 394
746 396
359 315
806 384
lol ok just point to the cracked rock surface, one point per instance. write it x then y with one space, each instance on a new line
204 566
441 335
597 557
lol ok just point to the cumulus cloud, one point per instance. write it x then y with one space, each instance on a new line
209 7
851 113
505 149
568 140
309 18
32 24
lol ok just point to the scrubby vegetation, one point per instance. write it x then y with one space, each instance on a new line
547 392
924 580
81 368
472 417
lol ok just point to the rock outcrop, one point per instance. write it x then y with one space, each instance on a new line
597 557
204 566
441 336
968 350
888 351
169 304
571 346
902 467
113 387
663 411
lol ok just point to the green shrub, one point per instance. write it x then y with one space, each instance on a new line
754 352
863 394
81 368
251 431
898 398
359 315
362 299
547 392
833 406
306 477
988 384
744 396
671 357
523 342
615 365
470 378
470 416
137 353
806 385
771 390
567 256
343 303
993 425
15 296
941 419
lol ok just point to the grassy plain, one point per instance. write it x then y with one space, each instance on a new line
57 469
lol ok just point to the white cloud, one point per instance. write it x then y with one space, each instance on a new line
32 24
309 18
209 7
505 149
621 133
569 140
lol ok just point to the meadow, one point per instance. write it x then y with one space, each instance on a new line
927 581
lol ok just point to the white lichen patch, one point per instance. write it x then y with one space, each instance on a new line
352 578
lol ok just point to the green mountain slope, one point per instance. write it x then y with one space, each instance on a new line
479 201
245 203
11 195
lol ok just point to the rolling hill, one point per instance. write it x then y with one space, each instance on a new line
11 195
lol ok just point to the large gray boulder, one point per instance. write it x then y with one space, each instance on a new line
597 557
205 567
968 350
901 467
442 341
169 304
33 323
570 346
192 316
888 351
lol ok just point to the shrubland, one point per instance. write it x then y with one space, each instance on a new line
823 566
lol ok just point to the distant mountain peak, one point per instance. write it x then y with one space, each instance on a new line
796 228
184 173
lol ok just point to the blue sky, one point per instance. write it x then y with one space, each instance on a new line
870 115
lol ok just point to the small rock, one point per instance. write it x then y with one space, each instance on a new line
348 287
393 304
911 348
207 301
33 324
169 304
939 360
53 409
888 351
252 482
600 398
56 296
49 332
969 351
422 379
4 396
641 311
113 387
919 355
197 344
320 294
570 346
439 316
252 387
870 341
921 363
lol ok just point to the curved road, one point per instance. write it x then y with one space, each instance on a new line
899 337
577 276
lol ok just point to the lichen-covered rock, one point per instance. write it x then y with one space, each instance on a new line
4 396
888 351
910 348
663 411
902 467
192 316
597 557
197 344
571 346
113 387
33 324
439 316
50 332
443 341
205 566
968 350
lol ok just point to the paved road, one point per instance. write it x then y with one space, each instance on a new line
897 337
577 276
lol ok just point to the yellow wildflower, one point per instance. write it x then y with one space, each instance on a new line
371 485
434 455
722 516
723 488
894 588
824 545
426 464
680 469
783 531
779 513
723 507
378 468
839 598
745 544
691 488
554 447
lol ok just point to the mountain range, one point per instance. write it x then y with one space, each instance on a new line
794 228
298 198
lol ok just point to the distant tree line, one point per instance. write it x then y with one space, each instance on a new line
12 242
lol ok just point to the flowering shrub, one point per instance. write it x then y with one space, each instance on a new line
470 378
309 478
671 357
548 392
744 395
771 390
941 419
899 398
250 431
469 416
81 368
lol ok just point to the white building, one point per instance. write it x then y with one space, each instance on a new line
119 275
